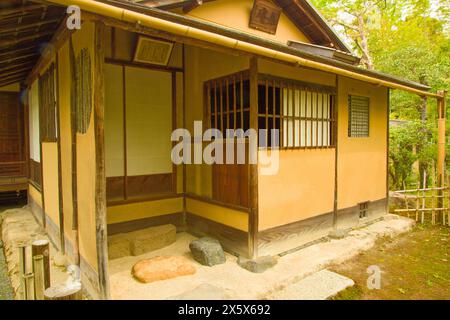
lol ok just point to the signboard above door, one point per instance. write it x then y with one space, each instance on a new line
265 16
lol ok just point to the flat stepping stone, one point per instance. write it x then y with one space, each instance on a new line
321 285
205 291
162 268
140 242
207 251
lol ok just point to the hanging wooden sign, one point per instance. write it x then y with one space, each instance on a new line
265 16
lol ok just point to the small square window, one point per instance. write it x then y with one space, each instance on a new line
358 116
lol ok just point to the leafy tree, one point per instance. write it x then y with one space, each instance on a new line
410 143
409 39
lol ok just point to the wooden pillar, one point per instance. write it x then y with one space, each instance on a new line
441 145
388 131
100 175
253 168
336 153
73 138
58 128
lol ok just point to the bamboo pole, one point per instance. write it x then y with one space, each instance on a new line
22 271
423 194
433 204
29 285
448 201
39 277
41 247
405 199
417 203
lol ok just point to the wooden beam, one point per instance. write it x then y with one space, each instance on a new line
16 68
16 79
442 110
60 36
19 57
192 5
20 10
16 51
28 26
100 174
12 42
253 168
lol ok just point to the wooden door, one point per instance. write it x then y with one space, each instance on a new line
12 146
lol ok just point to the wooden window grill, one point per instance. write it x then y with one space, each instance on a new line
47 102
83 96
358 116
303 114
228 102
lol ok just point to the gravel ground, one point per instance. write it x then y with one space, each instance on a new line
6 290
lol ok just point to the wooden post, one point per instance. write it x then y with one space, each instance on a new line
22 271
100 175
63 292
253 181
39 277
29 286
41 247
441 144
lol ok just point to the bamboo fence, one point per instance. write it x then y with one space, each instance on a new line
423 204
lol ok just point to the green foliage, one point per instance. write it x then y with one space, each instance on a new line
409 143
409 39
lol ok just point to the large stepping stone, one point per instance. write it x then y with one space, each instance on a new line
321 285
142 241
207 251
162 268
205 291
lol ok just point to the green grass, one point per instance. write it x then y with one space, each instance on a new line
415 265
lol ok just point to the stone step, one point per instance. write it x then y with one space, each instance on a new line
142 241
320 285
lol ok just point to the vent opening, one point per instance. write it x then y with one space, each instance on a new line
363 210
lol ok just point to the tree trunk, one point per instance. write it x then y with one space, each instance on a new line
367 58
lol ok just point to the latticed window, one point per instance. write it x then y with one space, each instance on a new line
358 116
228 101
303 113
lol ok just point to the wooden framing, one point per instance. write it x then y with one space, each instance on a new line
336 156
100 175
60 195
111 181
253 168
310 90
73 130
248 242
